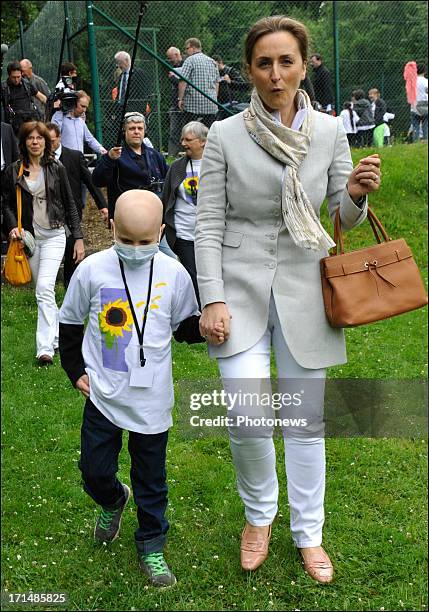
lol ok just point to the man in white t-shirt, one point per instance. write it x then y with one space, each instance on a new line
134 297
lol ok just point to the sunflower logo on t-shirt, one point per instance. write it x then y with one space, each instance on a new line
114 319
190 185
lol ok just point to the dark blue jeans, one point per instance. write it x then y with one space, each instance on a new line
101 442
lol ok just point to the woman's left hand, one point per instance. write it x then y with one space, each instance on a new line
78 251
365 178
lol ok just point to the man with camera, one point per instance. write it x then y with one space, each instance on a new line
17 98
74 131
133 165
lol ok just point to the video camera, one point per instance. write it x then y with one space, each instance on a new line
65 93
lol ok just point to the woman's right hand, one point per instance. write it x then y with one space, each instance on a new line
14 234
212 314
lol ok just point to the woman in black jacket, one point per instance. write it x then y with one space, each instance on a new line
179 197
47 207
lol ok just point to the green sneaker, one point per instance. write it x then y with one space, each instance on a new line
109 522
157 570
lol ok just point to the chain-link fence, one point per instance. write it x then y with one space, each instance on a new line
364 45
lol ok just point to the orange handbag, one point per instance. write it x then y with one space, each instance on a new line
370 284
16 268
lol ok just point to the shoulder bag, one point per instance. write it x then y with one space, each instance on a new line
16 267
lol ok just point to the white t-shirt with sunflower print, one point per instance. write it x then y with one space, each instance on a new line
185 208
111 347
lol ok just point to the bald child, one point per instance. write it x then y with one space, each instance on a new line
134 297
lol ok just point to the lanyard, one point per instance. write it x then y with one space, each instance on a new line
140 332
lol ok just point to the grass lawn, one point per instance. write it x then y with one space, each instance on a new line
376 513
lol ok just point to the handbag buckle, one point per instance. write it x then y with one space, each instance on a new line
367 264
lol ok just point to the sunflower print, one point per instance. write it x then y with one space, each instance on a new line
190 185
114 319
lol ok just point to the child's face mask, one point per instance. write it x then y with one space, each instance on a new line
135 256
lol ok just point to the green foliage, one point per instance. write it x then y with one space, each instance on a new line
376 39
11 11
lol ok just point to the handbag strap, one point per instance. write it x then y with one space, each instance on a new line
376 227
19 199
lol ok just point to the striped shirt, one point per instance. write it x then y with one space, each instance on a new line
203 72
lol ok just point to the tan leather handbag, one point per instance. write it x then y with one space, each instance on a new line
372 283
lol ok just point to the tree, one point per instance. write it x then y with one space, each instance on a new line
10 13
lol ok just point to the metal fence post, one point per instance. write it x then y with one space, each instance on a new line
336 57
67 21
95 89
21 37
158 93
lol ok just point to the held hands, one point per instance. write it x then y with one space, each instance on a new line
82 385
78 251
14 234
115 153
365 178
214 323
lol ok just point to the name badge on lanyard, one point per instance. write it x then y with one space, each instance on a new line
142 375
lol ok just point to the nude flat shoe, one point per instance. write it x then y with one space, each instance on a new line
317 564
254 546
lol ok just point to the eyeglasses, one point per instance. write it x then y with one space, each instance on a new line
36 138
188 139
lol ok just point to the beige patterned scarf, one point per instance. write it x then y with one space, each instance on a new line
290 147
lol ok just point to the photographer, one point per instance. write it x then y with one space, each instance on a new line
68 77
17 98
132 165
64 95
74 131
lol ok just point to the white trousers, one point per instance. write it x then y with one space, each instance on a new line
45 263
254 457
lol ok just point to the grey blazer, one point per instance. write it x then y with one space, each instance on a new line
244 252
